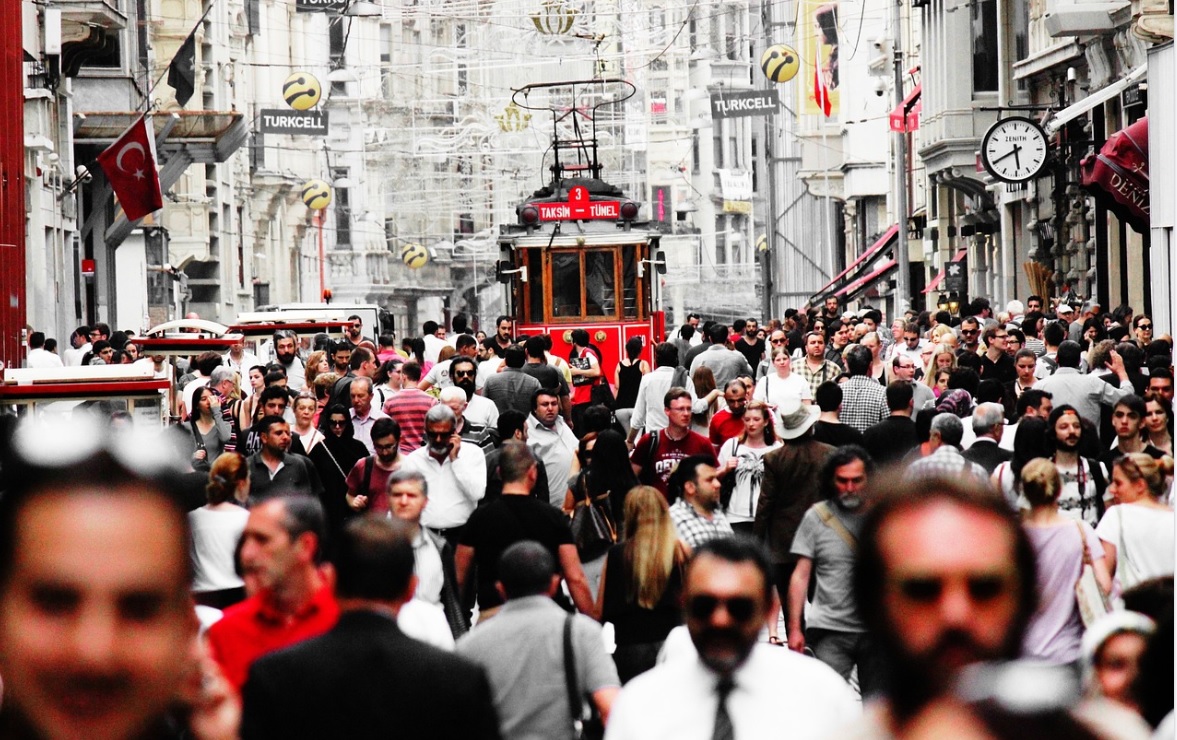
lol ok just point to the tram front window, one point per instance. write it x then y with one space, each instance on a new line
566 294
600 296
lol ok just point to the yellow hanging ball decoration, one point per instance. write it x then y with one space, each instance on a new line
414 256
316 194
302 91
780 63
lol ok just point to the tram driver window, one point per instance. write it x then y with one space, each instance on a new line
566 296
600 296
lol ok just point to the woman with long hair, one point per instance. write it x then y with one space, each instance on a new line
334 457
704 381
1030 443
417 345
641 585
209 429
742 458
1137 534
1061 545
626 379
604 469
781 384
216 528
317 363
248 406
940 358
305 408
387 381
1158 420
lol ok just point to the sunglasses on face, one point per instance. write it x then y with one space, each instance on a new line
777 341
1144 327
463 373
739 608
337 423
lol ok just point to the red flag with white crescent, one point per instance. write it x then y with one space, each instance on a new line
821 93
129 164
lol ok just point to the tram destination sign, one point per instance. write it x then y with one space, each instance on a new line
294 122
745 104
579 208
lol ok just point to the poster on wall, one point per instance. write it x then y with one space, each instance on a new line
818 31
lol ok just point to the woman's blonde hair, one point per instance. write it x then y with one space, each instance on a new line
1041 482
930 368
651 547
1139 466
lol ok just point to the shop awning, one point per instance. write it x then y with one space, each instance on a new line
935 284
859 264
1073 111
867 281
1118 175
906 115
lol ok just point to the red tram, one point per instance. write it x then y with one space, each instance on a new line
577 257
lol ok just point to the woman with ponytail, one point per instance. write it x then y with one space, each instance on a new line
216 528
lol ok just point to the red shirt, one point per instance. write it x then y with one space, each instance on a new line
658 464
253 628
408 408
724 426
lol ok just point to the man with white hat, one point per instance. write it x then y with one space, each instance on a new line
792 483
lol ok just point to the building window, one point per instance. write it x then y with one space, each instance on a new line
336 52
342 208
984 32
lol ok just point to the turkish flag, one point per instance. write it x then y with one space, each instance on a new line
129 164
821 93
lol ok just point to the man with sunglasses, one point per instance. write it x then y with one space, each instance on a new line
944 578
970 336
736 686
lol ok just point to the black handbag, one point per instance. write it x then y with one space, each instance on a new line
586 722
602 395
592 529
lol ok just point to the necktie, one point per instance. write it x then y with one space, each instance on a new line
723 721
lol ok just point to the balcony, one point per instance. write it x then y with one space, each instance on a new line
84 14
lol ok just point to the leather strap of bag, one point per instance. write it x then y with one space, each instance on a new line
575 704
831 521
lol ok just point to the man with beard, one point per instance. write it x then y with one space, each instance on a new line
441 374
749 344
729 422
274 472
368 480
944 578
286 352
696 513
735 687
825 546
455 474
1084 479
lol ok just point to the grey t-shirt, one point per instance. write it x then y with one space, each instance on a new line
833 606
522 650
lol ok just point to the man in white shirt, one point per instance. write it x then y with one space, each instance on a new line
363 413
240 360
39 357
79 343
455 474
439 374
732 687
434 338
552 442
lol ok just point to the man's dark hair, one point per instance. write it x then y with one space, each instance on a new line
1163 373
737 549
491 345
1031 398
1132 355
899 395
580 337
840 457
102 328
1069 354
665 355
465 341
874 315
461 361
738 326
896 496
51 345
270 393
943 317
272 377
970 320
515 460
1057 413
206 362
686 331
359 356
510 422
1054 333
412 372
686 471
828 396
693 315
429 327
302 514
83 331
534 347
386 427
539 392
526 569
460 323
267 422
858 360
1133 403
989 390
37 340
386 340
828 296
964 378
717 334
501 319
514 356
374 559
673 395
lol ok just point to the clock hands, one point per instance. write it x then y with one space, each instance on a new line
1011 153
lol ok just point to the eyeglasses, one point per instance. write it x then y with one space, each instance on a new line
739 608
384 448
969 331
1001 336
463 373
336 423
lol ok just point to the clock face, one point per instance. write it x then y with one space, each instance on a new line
1014 149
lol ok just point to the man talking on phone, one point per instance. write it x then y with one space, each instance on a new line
454 472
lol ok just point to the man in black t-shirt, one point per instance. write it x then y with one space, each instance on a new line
517 516
829 428
750 345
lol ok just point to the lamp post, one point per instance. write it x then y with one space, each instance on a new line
903 283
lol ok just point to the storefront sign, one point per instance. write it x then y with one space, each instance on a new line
744 104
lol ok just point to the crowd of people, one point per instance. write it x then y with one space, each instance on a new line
824 525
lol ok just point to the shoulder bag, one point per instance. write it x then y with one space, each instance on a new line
586 722
1093 603
827 518
592 529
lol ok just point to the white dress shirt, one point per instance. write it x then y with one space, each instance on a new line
455 486
363 426
556 448
42 358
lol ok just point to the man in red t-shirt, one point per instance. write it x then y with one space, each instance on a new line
292 600
729 422
657 453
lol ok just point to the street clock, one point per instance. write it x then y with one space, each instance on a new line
1014 149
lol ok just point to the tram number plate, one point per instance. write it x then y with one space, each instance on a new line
580 208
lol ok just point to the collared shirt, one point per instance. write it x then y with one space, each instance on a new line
828 371
1085 392
945 462
363 426
248 360
427 568
864 403
455 486
511 388
678 699
254 628
649 410
693 528
556 447
294 475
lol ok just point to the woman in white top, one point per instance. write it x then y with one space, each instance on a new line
216 528
305 407
777 386
742 457
1138 534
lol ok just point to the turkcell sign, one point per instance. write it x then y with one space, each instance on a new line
744 104
294 122
320 6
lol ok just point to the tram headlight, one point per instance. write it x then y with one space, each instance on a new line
529 215
629 210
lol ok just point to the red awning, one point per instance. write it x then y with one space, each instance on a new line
1118 175
888 235
906 116
867 280
940 275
